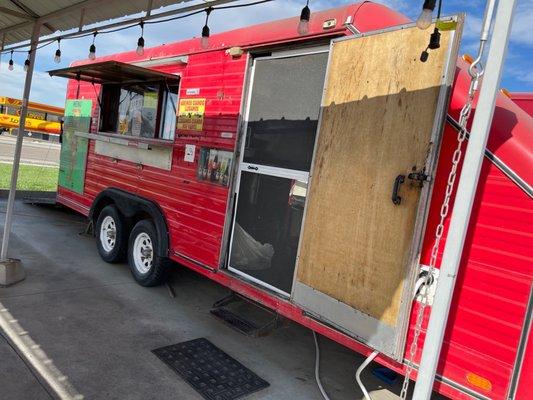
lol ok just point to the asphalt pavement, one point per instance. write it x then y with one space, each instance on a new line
94 327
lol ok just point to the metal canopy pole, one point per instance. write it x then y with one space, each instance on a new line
466 192
18 146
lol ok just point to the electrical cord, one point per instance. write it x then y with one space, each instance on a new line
317 369
27 366
365 363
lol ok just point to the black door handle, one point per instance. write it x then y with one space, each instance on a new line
253 168
396 199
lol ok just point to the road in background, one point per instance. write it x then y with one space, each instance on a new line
34 152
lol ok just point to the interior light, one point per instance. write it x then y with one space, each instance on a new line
426 16
57 58
140 42
10 66
92 49
205 30
305 16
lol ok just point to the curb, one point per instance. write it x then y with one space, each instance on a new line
21 194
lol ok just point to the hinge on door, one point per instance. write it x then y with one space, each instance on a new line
420 177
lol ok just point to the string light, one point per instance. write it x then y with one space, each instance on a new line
57 57
92 49
426 16
205 29
434 39
27 62
305 16
140 42
10 66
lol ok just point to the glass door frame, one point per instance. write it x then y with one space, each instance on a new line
261 169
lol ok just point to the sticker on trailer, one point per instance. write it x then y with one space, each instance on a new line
193 92
190 150
191 114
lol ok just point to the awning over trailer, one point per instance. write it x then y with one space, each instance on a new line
112 72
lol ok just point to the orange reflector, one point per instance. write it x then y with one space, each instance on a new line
468 58
505 92
479 381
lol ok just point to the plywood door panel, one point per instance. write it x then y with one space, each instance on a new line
378 114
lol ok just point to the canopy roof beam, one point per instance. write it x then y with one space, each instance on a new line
183 10
17 14
29 12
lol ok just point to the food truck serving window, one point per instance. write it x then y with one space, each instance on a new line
134 101
140 109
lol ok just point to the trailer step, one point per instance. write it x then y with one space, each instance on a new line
210 371
246 316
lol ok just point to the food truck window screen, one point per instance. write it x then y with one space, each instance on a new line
284 109
141 109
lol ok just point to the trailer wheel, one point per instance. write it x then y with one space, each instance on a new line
147 268
111 236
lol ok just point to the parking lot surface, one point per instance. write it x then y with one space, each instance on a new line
97 327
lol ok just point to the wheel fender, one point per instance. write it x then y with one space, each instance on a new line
131 205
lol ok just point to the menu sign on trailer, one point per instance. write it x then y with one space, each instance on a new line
191 114
74 148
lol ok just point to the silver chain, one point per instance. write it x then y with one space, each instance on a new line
475 71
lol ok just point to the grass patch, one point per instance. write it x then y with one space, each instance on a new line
31 177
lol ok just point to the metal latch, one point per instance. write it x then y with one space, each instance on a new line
419 176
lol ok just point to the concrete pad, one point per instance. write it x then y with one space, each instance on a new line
98 327
11 272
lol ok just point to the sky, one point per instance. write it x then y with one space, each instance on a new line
518 73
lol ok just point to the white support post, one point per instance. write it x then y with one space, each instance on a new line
466 192
18 146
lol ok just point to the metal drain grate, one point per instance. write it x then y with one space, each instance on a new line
210 371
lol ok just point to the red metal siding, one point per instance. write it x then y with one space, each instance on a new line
526 377
196 211
524 101
494 280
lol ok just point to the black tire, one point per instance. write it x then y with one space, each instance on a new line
118 251
145 272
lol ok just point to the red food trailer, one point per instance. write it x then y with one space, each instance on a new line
307 172
524 100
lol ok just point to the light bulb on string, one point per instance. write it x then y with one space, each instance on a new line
92 48
305 16
205 30
57 57
426 16
27 62
10 64
140 42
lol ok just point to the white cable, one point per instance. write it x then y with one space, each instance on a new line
358 374
317 369
419 283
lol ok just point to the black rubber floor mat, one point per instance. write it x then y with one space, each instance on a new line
210 371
